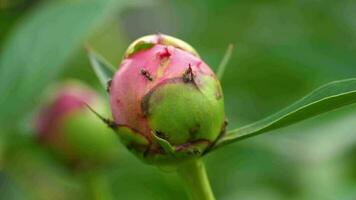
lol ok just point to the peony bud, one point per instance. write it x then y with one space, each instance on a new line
166 102
68 127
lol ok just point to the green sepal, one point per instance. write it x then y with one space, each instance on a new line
163 143
139 46
176 154
195 148
149 41
128 136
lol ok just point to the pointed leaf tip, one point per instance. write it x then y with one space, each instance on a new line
225 60
102 68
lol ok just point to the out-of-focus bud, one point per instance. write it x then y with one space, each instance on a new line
69 128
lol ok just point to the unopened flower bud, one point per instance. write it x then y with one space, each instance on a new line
166 102
69 128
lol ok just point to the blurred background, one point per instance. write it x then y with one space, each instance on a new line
283 50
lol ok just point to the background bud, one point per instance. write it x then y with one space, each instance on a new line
167 103
69 128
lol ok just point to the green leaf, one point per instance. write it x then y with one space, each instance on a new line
225 60
102 68
39 46
326 98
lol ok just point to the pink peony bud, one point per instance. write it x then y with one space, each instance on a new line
167 103
71 130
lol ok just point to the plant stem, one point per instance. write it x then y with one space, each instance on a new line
196 180
98 186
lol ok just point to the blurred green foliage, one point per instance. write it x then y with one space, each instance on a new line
283 50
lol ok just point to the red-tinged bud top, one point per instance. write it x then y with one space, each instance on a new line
71 130
167 103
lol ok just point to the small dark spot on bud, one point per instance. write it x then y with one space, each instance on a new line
226 122
160 134
188 75
218 93
111 124
223 129
146 74
108 86
193 152
196 151
193 130
165 54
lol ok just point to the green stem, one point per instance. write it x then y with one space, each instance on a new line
196 180
98 186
